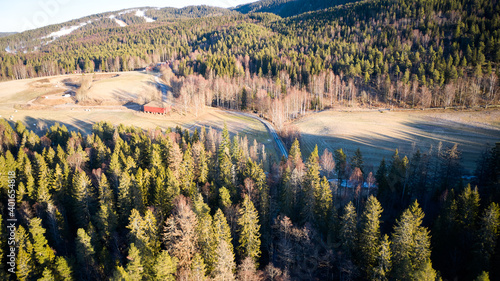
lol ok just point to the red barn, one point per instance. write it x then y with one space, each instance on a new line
155 107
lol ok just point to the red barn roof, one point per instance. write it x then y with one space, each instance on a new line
155 107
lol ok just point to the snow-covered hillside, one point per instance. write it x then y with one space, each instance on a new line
141 13
118 21
65 31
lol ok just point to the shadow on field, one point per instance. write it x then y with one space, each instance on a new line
425 136
40 125
122 96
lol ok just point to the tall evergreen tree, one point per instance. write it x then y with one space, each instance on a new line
43 253
489 232
348 233
225 163
411 245
311 186
135 266
341 165
85 256
249 236
294 154
24 262
323 205
383 262
369 236
83 201
357 160
206 238
165 267
63 269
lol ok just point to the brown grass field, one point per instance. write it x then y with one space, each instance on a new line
39 103
25 100
378 134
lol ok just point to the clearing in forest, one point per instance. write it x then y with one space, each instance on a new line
378 134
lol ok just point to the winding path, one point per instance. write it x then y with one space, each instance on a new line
269 126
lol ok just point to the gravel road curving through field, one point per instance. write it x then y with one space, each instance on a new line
269 126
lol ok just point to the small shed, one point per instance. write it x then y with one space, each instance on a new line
156 107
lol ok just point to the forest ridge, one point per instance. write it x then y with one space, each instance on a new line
370 53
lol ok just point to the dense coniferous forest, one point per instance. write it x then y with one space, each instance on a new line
286 8
397 53
122 203
126 204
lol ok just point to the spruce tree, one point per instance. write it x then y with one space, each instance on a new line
198 269
357 160
323 205
294 154
144 235
221 230
85 256
411 245
24 262
225 163
43 179
135 267
83 201
206 238
124 198
348 230
288 193
47 275
43 253
311 186
341 165
188 187
249 236
165 267
487 239
383 262
369 236
63 269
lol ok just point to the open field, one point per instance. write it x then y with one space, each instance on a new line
123 96
39 103
379 134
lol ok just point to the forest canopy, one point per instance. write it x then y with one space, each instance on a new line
122 203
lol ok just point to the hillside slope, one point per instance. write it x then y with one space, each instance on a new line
384 52
287 8
35 39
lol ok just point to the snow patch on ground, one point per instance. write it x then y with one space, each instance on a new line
64 31
8 50
142 14
119 22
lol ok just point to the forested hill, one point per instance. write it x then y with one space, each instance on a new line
3 34
287 8
35 39
400 53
